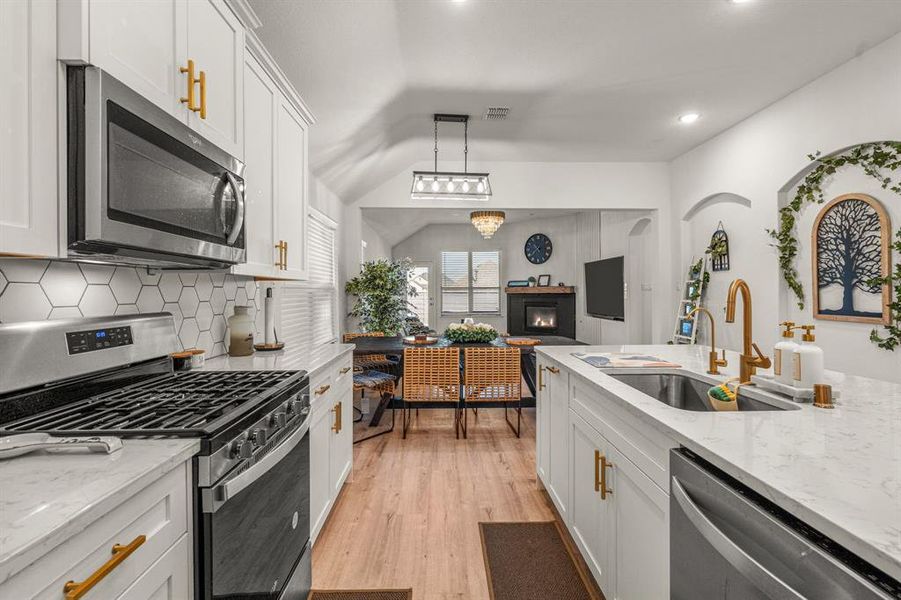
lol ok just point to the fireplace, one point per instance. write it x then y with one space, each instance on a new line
541 311
541 317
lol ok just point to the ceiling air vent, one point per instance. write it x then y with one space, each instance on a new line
496 113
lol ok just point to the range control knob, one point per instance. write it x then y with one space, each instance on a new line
279 420
242 449
291 407
259 436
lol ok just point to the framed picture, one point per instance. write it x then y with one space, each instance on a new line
850 252
686 326
544 280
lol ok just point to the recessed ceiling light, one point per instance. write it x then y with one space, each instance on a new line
739 1
689 118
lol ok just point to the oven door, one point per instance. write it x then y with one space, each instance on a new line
255 527
141 180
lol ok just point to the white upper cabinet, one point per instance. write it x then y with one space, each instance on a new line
146 44
216 45
291 190
261 99
142 44
29 205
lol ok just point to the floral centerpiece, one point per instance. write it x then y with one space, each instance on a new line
470 332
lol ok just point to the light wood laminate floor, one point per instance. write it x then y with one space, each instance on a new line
409 517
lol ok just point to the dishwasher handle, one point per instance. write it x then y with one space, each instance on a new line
744 563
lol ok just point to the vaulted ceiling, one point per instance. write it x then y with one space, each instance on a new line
585 80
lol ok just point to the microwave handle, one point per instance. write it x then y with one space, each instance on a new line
239 215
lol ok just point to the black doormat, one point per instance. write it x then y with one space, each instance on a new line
361 595
530 561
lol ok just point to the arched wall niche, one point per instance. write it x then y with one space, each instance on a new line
718 198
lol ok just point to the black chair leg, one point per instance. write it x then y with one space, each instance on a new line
518 427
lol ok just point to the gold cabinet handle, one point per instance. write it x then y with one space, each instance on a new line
282 250
202 81
553 370
76 589
604 466
322 389
189 99
337 410
345 370
541 385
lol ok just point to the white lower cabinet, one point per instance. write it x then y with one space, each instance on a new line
159 567
641 541
558 448
589 519
331 438
587 443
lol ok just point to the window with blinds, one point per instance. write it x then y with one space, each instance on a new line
309 309
470 282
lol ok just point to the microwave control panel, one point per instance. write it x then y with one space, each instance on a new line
98 339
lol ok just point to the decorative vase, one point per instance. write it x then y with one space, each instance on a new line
241 328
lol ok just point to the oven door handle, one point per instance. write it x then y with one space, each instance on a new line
239 215
213 498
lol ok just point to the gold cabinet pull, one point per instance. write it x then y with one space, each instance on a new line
337 426
345 370
605 464
541 385
189 99
76 589
553 370
202 81
597 470
282 259
322 389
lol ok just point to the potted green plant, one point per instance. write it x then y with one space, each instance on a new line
382 290
532 281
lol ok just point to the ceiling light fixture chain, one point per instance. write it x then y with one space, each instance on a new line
436 145
465 146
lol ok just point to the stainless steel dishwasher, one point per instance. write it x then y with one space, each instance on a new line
728 542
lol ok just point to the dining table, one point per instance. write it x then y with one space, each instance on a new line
393 346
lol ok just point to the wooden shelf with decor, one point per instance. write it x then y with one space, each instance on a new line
550 289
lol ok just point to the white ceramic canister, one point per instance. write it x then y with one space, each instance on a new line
241 328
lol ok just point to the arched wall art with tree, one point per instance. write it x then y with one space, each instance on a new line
851 260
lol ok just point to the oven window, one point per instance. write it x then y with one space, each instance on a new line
256 538
158 182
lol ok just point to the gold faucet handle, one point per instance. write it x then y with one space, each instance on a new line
761 360
722 361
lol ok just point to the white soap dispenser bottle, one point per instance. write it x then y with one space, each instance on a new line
784 354
808 361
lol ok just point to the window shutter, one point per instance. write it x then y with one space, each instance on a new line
309 309
470 282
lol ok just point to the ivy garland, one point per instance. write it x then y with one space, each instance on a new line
874 158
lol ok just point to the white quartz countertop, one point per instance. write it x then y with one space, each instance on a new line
838 470
45 498
292 357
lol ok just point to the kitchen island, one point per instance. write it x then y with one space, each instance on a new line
837 470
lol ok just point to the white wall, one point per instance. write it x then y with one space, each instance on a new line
577 239
592 186
428 243
858 102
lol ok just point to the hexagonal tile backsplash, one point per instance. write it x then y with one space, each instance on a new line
200 303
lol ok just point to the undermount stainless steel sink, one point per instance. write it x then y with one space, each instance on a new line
688 392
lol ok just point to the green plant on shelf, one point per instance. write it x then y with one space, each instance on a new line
695 279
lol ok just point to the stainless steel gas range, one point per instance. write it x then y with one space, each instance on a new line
113 377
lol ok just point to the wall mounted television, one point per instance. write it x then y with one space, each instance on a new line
605 289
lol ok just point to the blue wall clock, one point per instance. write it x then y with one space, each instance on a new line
538 248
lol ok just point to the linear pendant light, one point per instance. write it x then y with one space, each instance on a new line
447 185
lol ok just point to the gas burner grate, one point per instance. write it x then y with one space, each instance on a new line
184 404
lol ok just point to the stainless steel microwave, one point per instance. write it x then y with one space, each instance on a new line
143 188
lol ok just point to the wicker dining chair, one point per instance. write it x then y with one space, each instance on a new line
431 375
493 375
370 362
